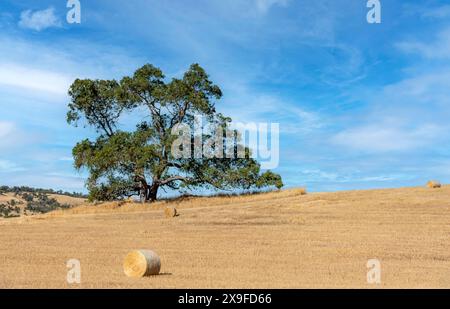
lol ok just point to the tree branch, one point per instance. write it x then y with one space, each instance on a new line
171 179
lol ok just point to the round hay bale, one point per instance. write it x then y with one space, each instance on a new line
171 212
432 184
142 263
300 191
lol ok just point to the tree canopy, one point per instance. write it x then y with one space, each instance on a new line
125 163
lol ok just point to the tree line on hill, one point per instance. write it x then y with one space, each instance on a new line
21 189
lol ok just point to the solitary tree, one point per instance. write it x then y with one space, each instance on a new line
123 163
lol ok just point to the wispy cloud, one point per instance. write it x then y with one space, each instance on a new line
318 175
439 12
438 48
6 128
66 159
381 138
9 167
16 75
58 182
411 114
52 67
9 135
264 6
39 20
13 138
244 104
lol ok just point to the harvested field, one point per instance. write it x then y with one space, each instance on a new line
275 240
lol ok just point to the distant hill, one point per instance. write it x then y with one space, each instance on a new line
26 201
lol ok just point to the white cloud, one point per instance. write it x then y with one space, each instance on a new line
11 137
66 159
319 175
437 49
248 105
50 68
6 128
430 87
56 181
411 114
39 179
264 6
9 167
436 12
345 69
347 176
39 20
381 178
27 77
385 138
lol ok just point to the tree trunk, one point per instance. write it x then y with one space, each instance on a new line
143 191
142 195
141 185
152 194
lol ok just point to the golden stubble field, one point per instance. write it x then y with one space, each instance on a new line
274 240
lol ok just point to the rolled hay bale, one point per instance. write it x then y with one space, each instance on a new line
432 184
300 191
171 212
142 263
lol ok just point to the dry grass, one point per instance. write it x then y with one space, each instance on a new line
64 199
314 240
8 197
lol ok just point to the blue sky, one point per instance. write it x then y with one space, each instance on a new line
359 105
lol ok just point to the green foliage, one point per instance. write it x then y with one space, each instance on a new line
10 209
122 164
28 197
42 203
116 188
